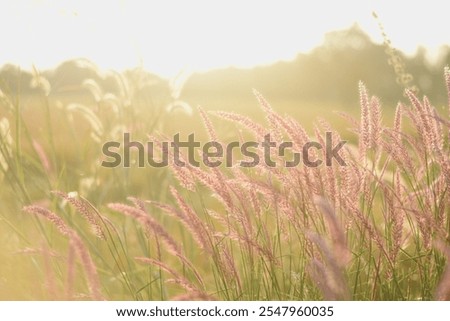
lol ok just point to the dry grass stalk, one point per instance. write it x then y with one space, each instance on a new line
336 232
88 266
398 216
50 274
182 173
208 125
42 156
364 129
443 289
80 249
375 122
50 216
192 222
179 279
327 273
151 224
397 128
70 272
258 130
276 122
84 209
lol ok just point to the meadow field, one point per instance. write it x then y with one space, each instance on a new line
374 228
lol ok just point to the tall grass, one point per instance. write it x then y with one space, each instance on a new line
374 229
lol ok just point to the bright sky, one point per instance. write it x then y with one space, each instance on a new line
168 36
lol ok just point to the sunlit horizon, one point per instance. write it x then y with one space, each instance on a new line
166 37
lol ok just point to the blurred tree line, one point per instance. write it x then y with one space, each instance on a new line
329 73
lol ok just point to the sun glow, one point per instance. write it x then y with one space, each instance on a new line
168 36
